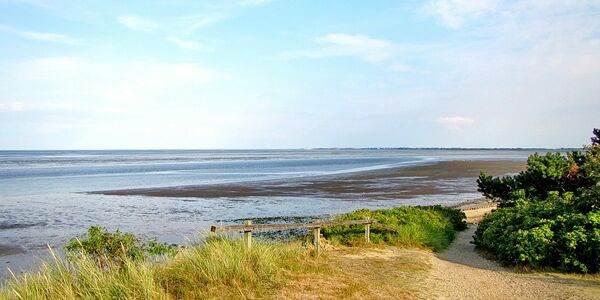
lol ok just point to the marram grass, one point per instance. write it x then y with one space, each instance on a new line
222 268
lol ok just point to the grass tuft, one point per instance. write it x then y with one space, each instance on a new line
222 268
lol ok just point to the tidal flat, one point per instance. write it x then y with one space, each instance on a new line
50 197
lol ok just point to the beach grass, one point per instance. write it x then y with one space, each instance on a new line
221 268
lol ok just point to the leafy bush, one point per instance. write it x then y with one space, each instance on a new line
429 226
550 213
105 247
576 172
543 234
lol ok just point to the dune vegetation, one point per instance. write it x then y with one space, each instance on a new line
115 265
431 227
549 214
221 268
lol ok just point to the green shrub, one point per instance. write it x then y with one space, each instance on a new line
428 226
550 213
543 234
104 247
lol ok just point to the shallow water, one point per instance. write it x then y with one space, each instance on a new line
43 199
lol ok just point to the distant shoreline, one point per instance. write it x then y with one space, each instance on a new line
301 149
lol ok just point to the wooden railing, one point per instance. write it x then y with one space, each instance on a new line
248 227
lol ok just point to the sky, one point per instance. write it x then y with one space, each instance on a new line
250 74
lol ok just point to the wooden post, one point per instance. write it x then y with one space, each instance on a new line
368 230
317 240
248 235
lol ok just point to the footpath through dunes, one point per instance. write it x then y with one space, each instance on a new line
379 272
384 272
461 273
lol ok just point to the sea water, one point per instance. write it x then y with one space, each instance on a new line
44 199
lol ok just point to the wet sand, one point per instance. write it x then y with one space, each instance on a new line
10 250
446 177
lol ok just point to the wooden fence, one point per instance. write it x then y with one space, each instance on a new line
248 227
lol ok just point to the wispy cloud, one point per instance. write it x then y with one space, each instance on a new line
367 48
372 50
183 24
552 68
138 23
107 87
454 13
253 2
186 44
455 122
177 30
340 44
24 106
189 24
12 106
41 36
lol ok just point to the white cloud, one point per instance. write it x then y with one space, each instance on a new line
178 25
20 106
138 23
41 36
12 106
454 13
50 37
455 122
189 24
188 44
524 64
339 44
175 29
382 52
402 68
253 2
69 83
367 48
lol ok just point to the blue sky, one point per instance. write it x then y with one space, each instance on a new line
295 74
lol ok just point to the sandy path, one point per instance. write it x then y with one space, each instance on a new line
460 273
384 272
379 272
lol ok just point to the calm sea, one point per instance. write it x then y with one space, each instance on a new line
43 199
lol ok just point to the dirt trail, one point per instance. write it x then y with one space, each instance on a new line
362 273
383 272
461 273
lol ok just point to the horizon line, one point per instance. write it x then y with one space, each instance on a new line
304 148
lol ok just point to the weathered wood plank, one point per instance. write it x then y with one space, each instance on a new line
368 231
248 235
317 240
386 227
257 227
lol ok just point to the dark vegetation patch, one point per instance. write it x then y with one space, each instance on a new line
549 214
